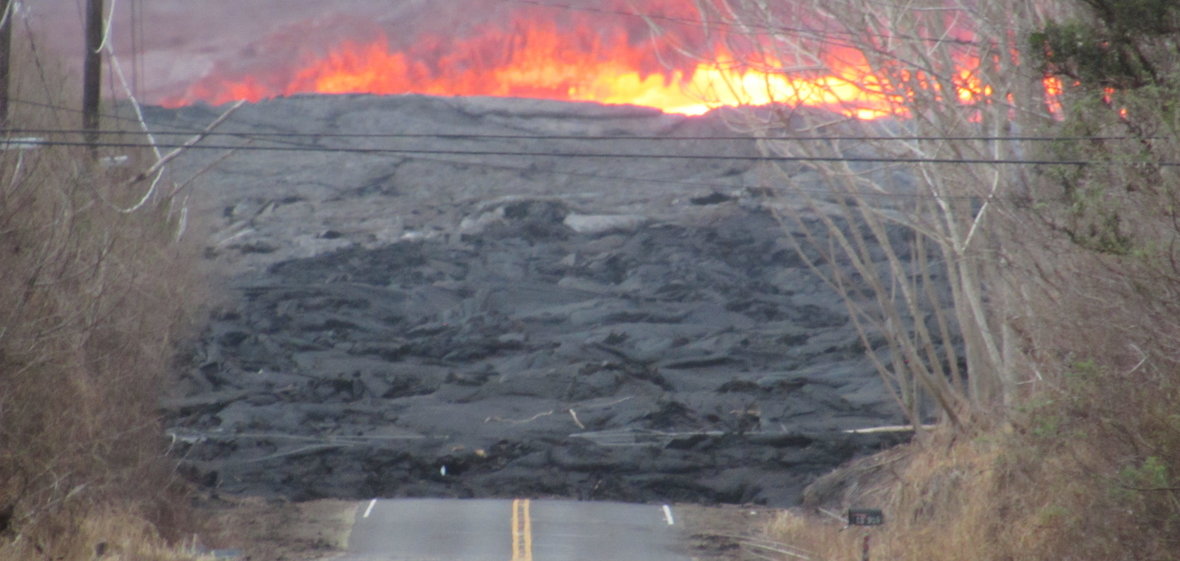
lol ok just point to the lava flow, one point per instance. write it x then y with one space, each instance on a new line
576 61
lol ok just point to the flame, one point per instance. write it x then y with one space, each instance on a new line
540 59
1054 89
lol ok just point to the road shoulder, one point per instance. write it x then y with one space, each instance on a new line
718 533
277 530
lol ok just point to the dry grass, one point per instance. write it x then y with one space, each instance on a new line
109 533
93 302
278 530
1081 477
1086 466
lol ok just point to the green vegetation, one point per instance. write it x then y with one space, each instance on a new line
1113 44
95 293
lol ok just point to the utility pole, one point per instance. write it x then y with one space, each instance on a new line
5 56
92 71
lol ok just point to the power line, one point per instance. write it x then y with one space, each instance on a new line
702 184
476 136
297 147
284 138
678 182
473 136
655 180
603 155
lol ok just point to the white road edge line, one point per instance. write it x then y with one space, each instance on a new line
668 515
369 510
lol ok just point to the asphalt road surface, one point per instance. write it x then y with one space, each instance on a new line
518 530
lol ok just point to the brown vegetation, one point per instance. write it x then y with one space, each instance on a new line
1085 477
95 293
1060 437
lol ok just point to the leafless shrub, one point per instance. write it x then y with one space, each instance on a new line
918 147
1062 276
93 300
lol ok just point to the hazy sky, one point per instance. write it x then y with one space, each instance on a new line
180 40
166 45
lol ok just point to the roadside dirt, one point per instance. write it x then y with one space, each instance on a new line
255 529
724 533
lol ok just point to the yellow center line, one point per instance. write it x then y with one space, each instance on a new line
522 531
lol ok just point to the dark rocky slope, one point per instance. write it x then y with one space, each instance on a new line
444 324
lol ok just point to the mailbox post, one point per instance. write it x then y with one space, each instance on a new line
867 517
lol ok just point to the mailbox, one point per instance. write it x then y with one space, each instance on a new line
865 517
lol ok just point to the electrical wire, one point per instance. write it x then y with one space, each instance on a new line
613 138
714 186
478 136
287 146
595 138
684 182
600 155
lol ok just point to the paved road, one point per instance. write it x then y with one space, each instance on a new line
520 530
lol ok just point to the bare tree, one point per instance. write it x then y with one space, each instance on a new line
910 116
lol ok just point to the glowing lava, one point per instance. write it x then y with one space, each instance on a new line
582 63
